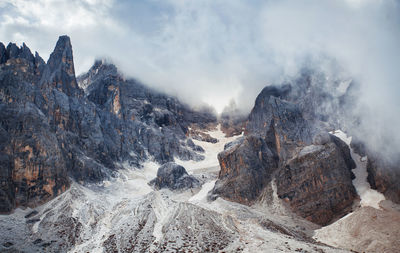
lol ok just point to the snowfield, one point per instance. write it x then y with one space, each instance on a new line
126 215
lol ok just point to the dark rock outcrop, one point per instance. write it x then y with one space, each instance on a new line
52 130
312 170
193 146
174 177
60 71
35 170
383 171
384 176
246 168
317 183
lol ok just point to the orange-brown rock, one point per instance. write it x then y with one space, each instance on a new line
33 169
312 169
50 131
246 168
384 176
317 183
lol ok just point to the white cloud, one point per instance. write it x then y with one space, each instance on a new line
215 50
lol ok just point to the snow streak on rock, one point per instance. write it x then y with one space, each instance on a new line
374 226
211 151
369 197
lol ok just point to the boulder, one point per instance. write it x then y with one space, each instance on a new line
174 177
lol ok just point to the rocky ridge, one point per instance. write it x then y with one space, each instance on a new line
288 145
51 129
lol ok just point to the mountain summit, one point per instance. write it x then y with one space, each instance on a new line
52 130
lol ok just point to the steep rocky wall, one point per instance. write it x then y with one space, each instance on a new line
52 130
383 172
317 183
33 167
312 169
384 176
246 168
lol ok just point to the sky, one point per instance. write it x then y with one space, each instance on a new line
216 51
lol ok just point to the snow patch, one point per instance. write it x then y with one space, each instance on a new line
201 196
343 86
368 196
162 212
211 152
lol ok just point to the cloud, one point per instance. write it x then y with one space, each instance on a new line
216 50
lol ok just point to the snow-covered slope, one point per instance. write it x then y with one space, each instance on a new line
127 215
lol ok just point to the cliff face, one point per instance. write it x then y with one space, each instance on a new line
33 169
317 183
311 168
246 168
383 171
384 176
51 130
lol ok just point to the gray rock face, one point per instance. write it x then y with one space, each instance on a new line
317 183
384 176
193 146
33 168
52 129
383 172
312 170
246 168
174 177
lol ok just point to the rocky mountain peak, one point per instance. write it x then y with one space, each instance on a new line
3 56
277 137
13 52
52 132
62 56
100 70
61 71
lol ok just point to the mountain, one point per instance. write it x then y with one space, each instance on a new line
52 129
104 163
311 169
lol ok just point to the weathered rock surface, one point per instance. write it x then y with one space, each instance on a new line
383 171
312 169
52 130
384 176
33 168
317 183
174 177
246 167
200 135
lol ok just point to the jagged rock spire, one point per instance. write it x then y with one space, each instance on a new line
61 69
62 56
3 53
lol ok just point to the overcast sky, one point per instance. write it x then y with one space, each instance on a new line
216 50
